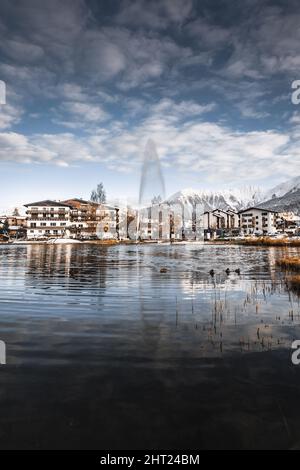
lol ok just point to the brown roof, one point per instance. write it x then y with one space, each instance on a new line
46 203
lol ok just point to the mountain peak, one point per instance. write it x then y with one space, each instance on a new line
235 199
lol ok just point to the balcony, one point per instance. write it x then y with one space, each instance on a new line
47 211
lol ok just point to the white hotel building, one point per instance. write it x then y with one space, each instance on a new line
47 218
259 221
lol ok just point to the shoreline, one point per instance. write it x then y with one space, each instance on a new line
260 242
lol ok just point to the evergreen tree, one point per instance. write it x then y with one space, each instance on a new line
98 195
16 212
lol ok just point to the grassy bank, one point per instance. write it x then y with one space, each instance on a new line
260 241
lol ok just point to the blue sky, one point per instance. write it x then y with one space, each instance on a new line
89 82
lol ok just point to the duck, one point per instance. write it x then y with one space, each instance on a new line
227 271
238 271
212 272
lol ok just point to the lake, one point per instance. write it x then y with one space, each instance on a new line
105 351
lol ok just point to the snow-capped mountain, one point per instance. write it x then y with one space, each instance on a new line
284 197
235 199
283 188
289 202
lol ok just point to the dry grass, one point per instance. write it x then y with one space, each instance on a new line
102 242
267 241
259 241
290 264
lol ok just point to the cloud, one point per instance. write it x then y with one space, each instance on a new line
164 69
182 110
9 115
209 35
21 52
266 44
86 112
131 59
156 15
213 150
101 54
52 24
57 149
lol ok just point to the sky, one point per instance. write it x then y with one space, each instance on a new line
88 82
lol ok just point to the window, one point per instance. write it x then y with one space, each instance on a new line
52 224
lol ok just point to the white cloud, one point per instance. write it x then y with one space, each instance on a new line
60 53
86 112
215 151
9 115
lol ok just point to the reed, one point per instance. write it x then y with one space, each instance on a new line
268 241
294 283
259 241
289 264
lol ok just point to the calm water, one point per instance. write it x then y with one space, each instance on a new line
104 351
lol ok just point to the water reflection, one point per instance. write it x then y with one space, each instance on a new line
107 343
118 296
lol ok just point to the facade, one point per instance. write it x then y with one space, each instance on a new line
77 218
107 222
258 221
170 222
289 223
47 218
72 218
156 222
83 220
220 219
16 225
13 226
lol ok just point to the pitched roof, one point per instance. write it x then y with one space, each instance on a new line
257 209
48 203
76 199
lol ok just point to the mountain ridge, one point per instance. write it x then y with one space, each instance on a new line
284 197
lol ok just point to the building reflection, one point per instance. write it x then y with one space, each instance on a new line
67 265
